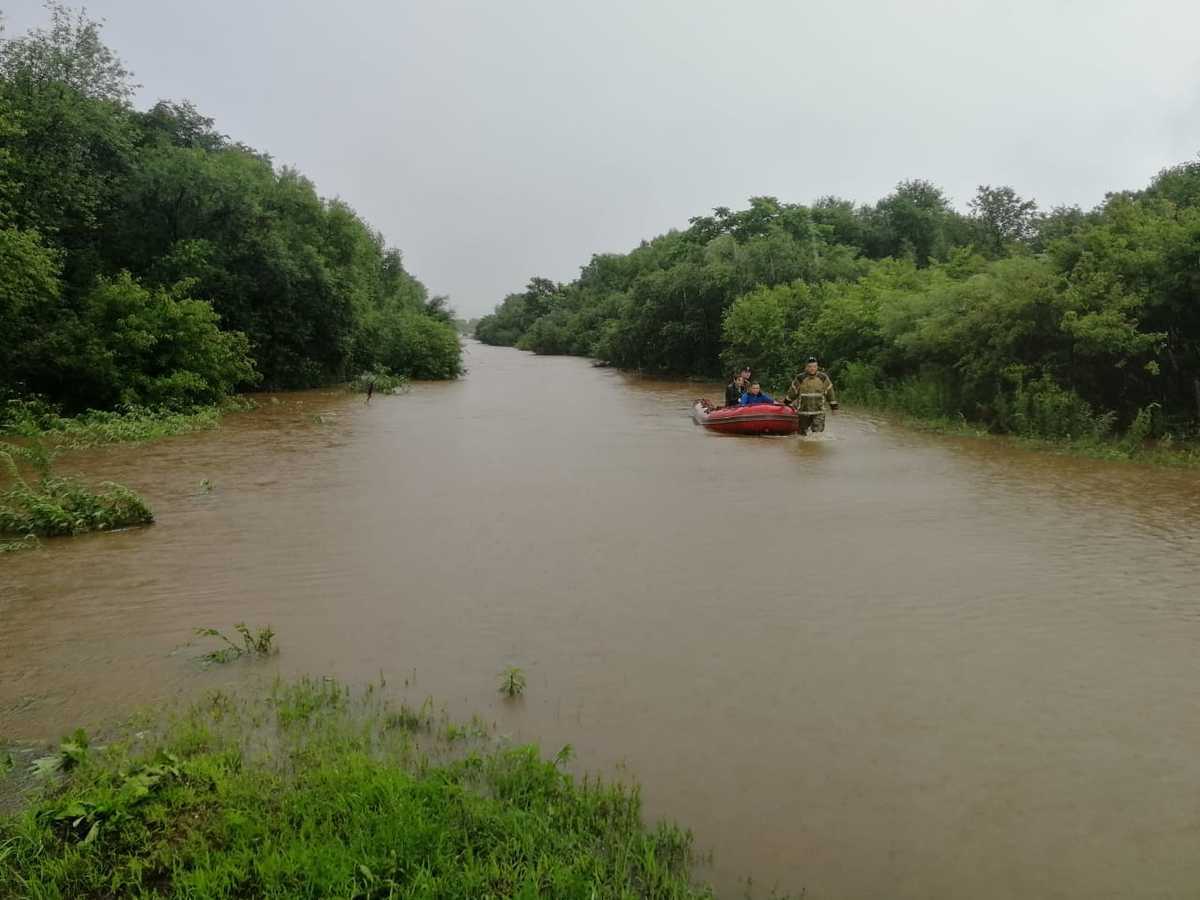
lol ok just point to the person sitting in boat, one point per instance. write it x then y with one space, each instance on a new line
737 387
755 396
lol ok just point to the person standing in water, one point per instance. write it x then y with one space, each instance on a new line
809 393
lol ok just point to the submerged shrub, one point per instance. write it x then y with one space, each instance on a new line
29 542
385 382
254 643
512 681
53 505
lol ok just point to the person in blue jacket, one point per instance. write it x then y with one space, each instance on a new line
755 396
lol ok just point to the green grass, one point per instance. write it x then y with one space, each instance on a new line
310 792
53 505
32 419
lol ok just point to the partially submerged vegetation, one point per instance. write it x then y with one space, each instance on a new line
29 542
311 792
35 418
42 503
1113 448
258 643
379 381
1070 326
512 682
1044 418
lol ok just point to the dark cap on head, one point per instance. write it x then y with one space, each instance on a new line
810 359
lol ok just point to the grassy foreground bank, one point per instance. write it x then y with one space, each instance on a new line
314 792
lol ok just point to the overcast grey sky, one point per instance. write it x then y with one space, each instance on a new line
500 139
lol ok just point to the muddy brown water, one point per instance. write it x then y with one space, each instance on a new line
879 663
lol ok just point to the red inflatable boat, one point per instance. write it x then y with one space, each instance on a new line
762 418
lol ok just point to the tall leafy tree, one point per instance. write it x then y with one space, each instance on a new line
1004 218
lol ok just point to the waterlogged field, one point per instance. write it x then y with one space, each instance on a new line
879 663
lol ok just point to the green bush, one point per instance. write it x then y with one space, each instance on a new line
1044 409
135 346
924 397
860 383
421 347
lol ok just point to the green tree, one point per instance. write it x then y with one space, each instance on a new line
913 221
70 54
1003 217
29 292
1180 184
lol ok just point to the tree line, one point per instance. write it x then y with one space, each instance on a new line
146 259
1066 323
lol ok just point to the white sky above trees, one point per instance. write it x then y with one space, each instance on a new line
500 139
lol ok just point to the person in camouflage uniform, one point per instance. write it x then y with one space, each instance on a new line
809 392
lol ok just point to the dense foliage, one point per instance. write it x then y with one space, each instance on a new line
315 794
1060 324
148 260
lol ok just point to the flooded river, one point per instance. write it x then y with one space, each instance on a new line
874 664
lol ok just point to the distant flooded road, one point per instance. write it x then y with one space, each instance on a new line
877 664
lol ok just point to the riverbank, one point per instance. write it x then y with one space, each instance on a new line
29 419
311 790
1163 453
94 428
